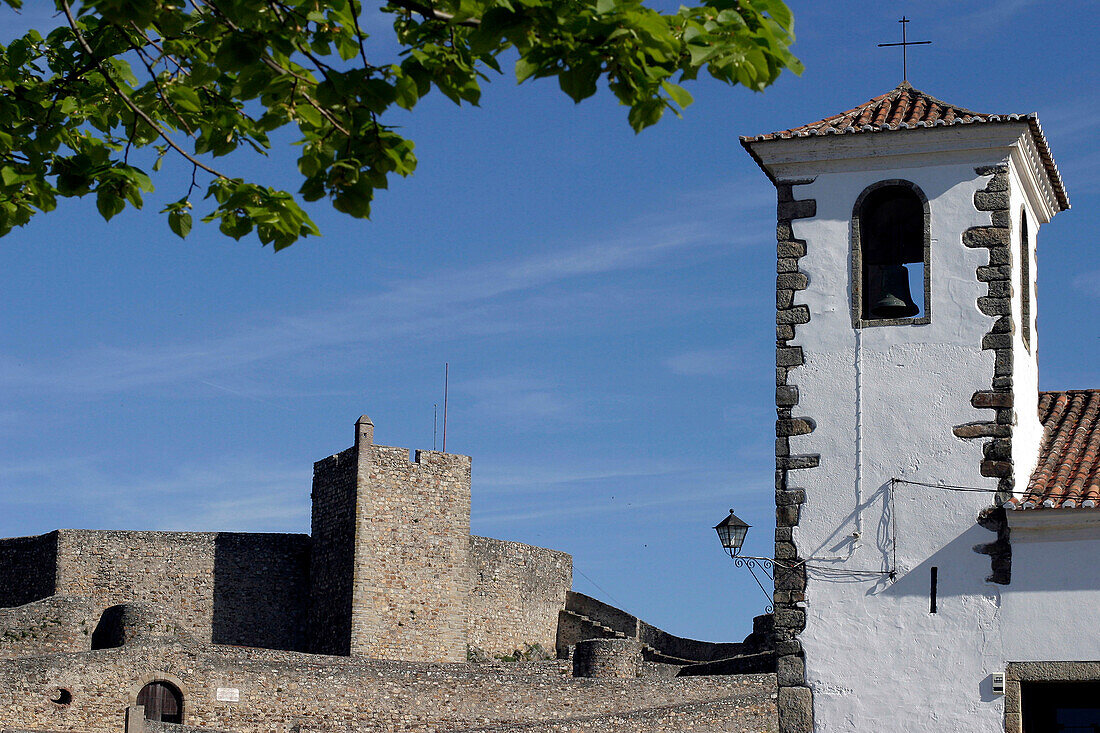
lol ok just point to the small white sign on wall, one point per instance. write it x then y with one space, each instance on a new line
228 694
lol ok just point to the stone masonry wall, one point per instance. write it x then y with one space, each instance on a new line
261 590
230 588
517 593
284 691
587 618
333 552
795 701
172 569
997 304
27 569
54 624
411 590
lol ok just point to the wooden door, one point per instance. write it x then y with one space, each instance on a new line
162 702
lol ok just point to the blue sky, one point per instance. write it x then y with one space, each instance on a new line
604 299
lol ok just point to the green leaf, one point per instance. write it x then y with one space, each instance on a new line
677 93
108 203
645 113
180 223
525 69
407 93
186 98
238 78
579 82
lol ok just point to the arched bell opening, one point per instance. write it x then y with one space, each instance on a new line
890 252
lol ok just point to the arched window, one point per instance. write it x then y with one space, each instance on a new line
890 262
163 702
1025 282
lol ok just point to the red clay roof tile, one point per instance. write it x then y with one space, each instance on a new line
906 108
1068 473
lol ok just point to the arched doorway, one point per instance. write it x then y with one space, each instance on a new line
162 701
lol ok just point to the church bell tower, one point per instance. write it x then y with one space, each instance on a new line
905 364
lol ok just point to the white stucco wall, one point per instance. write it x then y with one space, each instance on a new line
885 400
1053 607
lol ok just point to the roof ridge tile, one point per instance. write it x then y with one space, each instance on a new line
903 108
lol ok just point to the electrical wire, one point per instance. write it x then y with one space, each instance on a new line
948 487
599 588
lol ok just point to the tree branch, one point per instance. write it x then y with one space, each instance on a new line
275 66
355 8
129 102
433 14
160 90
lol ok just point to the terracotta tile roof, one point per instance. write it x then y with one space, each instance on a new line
1068 473
906 108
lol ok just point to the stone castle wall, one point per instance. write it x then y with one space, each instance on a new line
517 593
28 567
173 569
254 589
333 553
261 590
278 691
48 626
225 587
389 572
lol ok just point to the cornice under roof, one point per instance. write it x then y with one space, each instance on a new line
906 108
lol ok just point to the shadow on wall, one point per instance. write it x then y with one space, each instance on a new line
28 569
261 590
109 633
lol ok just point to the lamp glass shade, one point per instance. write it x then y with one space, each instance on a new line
731 532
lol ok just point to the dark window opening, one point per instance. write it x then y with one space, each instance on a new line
162 701
892 254
61 696
1025 282
1060 707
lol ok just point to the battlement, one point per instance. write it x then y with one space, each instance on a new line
391 552
389 571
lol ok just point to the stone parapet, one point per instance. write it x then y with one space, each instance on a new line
281 692
607 658
518 591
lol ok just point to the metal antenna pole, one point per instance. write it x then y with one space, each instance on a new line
446 384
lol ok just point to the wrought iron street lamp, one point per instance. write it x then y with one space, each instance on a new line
731 531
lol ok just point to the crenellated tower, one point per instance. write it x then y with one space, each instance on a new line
390 566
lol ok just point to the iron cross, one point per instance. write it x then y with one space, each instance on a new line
904 47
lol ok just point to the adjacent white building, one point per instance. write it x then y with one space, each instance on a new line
935 546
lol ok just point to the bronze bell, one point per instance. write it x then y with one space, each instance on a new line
895 300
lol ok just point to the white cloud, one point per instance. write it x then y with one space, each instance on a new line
527 478
447 303
1088 282
242 493
993 14
704 363
672 503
